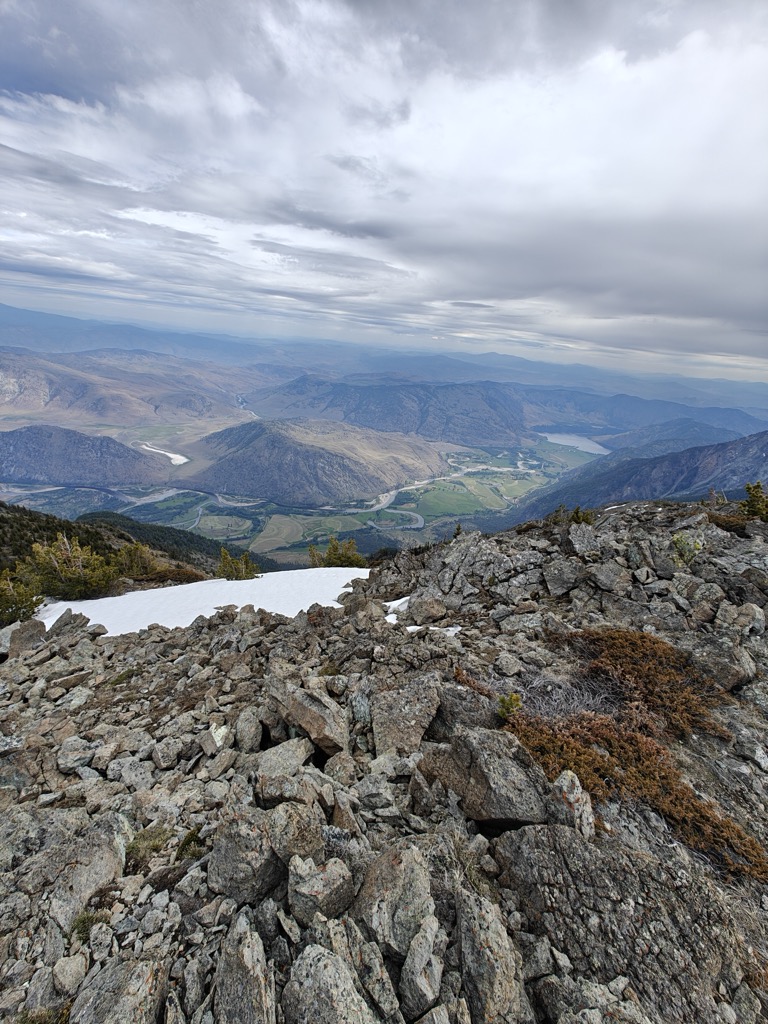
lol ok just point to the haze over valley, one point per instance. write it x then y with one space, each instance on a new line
263 454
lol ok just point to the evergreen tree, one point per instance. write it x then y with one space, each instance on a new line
337 553
242 568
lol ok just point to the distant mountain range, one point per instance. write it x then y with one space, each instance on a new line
55 455
126 388
686 474
312 464
303 464
481 412
308 424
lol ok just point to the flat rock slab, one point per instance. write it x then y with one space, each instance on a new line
401 717
131 990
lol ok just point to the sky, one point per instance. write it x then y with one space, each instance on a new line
580 180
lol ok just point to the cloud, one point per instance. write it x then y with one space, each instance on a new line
586 176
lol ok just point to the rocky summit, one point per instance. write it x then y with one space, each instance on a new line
514 779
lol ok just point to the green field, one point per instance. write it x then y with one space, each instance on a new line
223 527
282 531
487 481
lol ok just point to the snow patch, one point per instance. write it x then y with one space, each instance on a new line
286 593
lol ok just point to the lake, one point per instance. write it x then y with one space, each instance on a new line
575 441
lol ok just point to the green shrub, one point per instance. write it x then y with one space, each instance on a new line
85 920
336 554
756 503
49 1016
17 600
146 843
686 548
66 569
231 568
510 704
136 561
191 847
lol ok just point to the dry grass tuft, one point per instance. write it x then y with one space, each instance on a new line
656 691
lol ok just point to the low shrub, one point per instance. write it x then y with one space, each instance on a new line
18 601
641 669
614 760
49 1016
191 847
242 568
729 522
66 569
145 844
652 690
85 920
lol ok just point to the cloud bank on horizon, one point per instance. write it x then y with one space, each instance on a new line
580 179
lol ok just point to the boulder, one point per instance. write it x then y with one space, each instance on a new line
394 899
124 990
492 969
243 864
322 990
244 983
327 890
401 716
321 718
493 775
422 972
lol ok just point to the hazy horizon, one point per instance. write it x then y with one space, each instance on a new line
563 182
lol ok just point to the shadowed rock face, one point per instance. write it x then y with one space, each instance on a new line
312 463
53 455
202 825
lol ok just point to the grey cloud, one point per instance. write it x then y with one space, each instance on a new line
379 115
420 167
286 212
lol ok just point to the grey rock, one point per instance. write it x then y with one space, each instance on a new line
166 753
492 774
400 717
216 738
124 990
244 983
323 720
296 829
492 968
284 759
425 608
327 889
68 973
422 972
607 890
248 731
571 805
394 899
173 1011
74 753
243 864
562 575
322 990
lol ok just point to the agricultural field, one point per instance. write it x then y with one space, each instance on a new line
224 527
285 531
482 481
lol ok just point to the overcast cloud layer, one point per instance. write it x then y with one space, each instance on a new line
563 178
